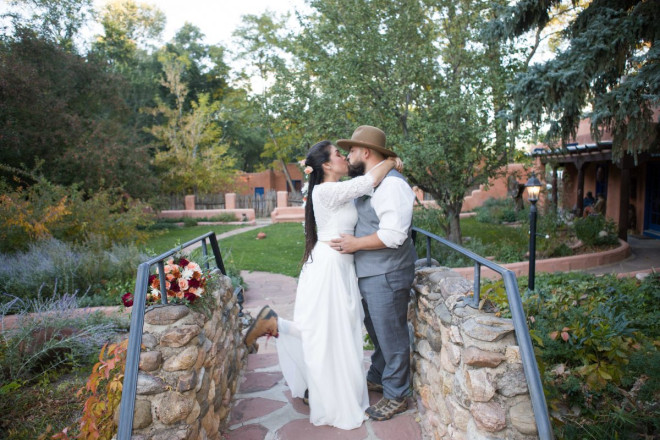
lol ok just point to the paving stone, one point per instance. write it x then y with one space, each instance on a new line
247 432
259 381
302 429
248 409
402 426
256 361
296 403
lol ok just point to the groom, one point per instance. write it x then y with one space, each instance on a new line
384 262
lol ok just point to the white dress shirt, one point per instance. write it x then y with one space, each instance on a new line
393 203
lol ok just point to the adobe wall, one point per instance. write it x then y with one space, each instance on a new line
468 374
189 369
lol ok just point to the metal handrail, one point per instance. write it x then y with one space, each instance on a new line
530 366
129 388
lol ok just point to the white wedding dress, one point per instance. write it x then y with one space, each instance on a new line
321 349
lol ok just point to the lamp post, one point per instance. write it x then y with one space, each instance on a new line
533 186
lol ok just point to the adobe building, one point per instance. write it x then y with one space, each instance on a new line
631 190
269 180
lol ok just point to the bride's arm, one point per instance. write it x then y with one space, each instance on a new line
380 171
335 194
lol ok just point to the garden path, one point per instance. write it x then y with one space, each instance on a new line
263 407
644 256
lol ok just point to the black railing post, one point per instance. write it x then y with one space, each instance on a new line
477 285
161 279
129 387
216 253
205 253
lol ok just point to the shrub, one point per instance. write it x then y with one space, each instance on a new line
55 335
224 217
499 211
55 266
596 230
189 222
596 344
44 210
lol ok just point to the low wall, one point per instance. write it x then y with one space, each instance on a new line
560 264
288 214
468 374
189 369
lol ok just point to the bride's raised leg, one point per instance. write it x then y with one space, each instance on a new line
264 324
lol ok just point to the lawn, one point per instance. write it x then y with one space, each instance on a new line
280 252
166 239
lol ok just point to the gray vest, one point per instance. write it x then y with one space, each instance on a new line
381 261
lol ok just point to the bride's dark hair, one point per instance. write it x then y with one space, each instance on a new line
316 157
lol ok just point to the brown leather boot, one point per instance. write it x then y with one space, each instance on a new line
264 324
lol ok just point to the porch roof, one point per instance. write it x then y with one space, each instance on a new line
574 152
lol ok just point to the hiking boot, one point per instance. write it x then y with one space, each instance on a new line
385 409
264 324
371 386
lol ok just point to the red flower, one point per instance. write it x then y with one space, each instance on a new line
191 297
175 287
183 262
193 283
127 299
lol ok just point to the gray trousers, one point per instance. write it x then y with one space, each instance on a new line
385 301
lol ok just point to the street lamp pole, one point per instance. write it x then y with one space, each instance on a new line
533 186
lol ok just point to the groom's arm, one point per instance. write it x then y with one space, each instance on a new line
393 203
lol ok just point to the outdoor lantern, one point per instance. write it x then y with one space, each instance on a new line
533 186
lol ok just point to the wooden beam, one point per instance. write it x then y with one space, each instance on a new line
624 201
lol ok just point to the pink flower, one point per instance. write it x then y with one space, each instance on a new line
168 268
308 170
194 267
302 163
183 284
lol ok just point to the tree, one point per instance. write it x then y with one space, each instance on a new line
58 21
62 112
420 71
190 156
607 69
264 47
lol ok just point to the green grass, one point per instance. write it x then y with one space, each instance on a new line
166 239
492 234
280 252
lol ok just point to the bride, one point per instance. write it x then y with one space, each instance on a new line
320 351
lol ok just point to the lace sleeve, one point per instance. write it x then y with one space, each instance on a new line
334 194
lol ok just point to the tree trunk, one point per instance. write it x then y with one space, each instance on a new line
454 221
289 182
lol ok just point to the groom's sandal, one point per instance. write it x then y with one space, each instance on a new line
371 386
264 324
385 409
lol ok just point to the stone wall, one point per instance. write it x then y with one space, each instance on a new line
189 369
468 373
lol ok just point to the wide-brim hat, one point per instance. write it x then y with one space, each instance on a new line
369 137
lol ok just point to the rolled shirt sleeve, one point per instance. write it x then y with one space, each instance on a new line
393 203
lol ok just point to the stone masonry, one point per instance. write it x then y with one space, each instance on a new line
189 369
468 375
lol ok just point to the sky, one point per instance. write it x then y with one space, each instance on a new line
217 19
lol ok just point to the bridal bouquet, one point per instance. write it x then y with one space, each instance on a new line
183 280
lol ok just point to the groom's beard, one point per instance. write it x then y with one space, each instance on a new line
355 170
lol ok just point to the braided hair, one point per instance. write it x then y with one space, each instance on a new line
316 157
